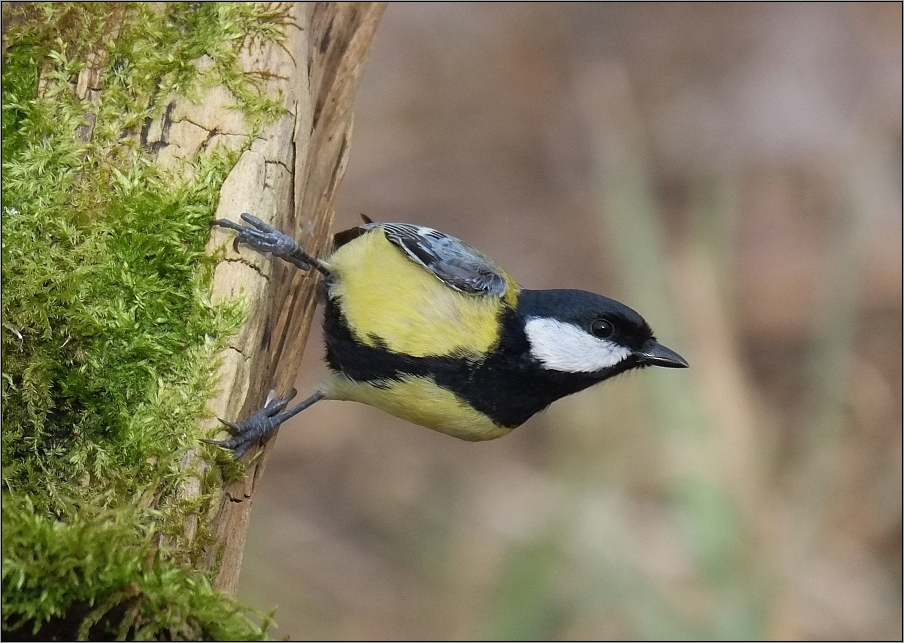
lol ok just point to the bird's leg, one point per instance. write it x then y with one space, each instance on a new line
262 423
264 237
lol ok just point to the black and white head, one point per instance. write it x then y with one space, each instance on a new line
577 332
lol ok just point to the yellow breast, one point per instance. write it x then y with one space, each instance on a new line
418 400
390 300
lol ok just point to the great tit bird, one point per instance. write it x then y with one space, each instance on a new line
427 328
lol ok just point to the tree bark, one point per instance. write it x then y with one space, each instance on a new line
289 178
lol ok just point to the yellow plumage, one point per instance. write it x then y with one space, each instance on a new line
391 302
387 297
421 401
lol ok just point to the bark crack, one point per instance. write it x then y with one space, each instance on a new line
239 351
248 263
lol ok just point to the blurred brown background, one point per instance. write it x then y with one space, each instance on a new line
733 172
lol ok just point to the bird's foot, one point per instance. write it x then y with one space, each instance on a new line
256 426
264 237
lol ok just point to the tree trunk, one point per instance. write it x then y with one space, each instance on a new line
127 128
289 178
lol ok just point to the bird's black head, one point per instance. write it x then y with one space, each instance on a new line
573 331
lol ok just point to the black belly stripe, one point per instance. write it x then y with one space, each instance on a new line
508 386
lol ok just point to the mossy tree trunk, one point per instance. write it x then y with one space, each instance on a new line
291 177
127 128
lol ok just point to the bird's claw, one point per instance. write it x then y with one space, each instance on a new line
234 428
256 426
264 237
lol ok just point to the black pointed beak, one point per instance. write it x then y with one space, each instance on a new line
655 354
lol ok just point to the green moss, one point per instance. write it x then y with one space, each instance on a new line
131 591
109 340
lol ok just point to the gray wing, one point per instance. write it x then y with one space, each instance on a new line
451 260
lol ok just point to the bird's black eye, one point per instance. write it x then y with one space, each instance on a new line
602 328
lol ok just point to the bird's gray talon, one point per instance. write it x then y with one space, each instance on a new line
265 238
258 223
252 428
274 406
262 423
233 428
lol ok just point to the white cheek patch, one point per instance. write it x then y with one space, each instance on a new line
560 346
